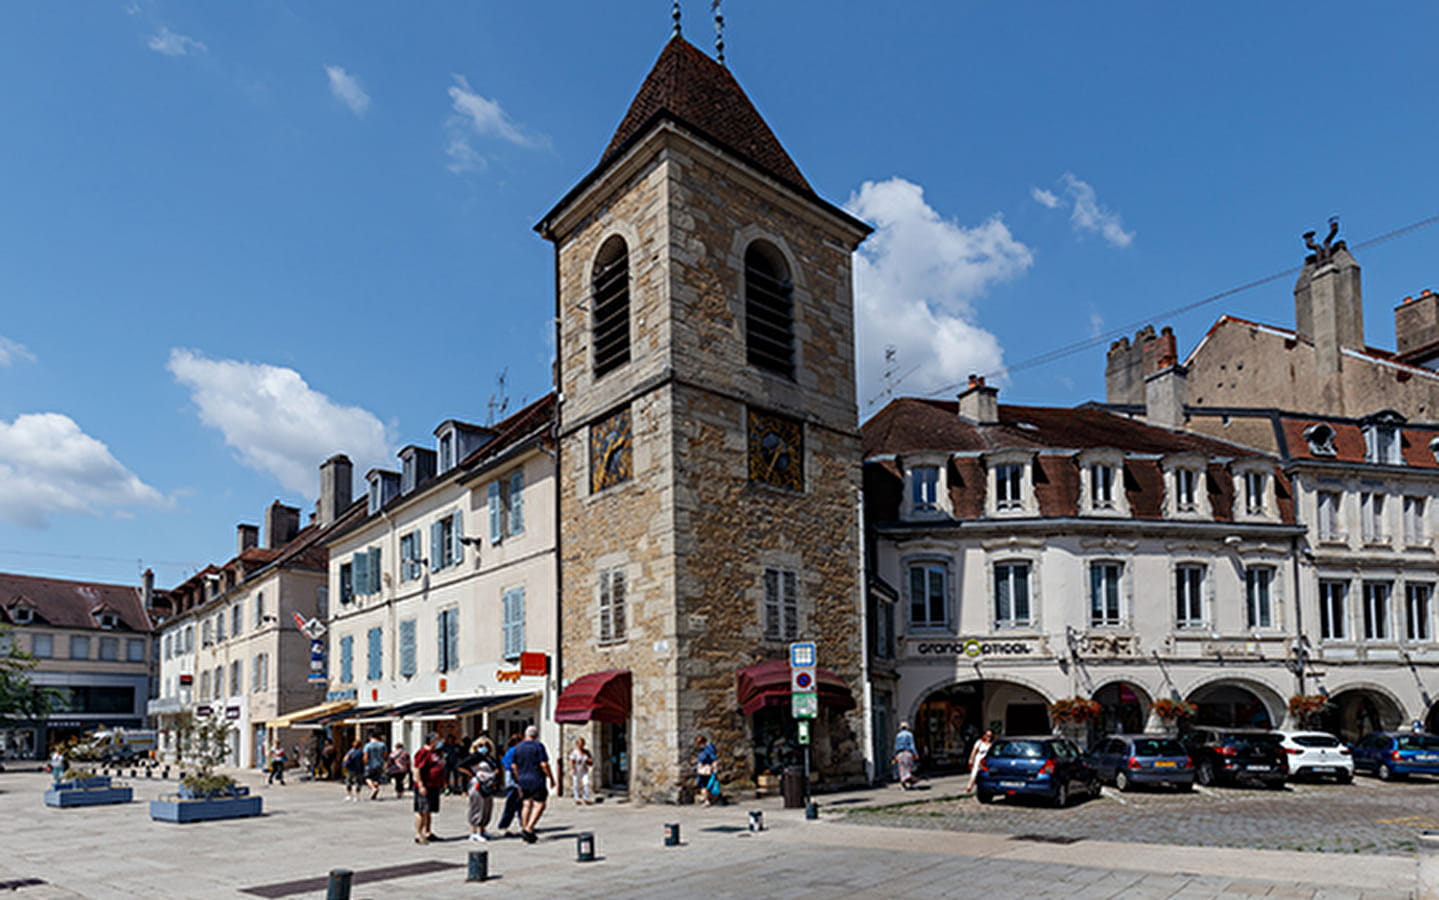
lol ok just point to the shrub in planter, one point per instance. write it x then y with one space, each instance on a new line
1173 711
1075 711
1305 708
204 795
82 787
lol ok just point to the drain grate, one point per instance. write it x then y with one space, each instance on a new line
18 883
1046 838
362 876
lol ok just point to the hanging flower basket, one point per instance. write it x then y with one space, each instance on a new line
1075 711
1173 710
1304 707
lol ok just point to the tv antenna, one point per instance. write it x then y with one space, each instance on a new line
719 30
499 400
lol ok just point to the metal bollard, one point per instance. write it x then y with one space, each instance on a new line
166 773
672 834
479 865
1426 885
585 847
756 820
339 888
811 810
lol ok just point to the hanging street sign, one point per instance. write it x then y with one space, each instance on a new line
804 706
802 655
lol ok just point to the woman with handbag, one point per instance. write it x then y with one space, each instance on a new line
484 782
706 770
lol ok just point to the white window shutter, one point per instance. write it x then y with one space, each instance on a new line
517 503
457 530
497 514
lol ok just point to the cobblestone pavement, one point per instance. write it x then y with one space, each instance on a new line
1367 816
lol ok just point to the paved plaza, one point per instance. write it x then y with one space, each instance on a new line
309 829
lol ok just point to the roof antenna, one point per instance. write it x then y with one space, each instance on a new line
677 18
719 30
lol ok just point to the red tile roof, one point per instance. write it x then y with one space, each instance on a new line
73 604
533 420
688 87
1349 444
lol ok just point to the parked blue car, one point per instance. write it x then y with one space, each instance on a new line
1394 754
1127 760
1043 766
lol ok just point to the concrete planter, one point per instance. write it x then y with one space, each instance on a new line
97 791
235 803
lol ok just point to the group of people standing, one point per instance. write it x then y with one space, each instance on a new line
906 757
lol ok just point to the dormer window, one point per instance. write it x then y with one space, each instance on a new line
373 498
447 451
924 488
1186 490
1254 493
1101 483
1320 438
1185 486
1009 486
107 619
1101 486
22 615
1381 438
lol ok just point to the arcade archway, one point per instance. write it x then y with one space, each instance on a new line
1124 709
1354 712
950 718
1235 704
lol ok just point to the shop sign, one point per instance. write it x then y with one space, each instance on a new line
232 712
968 648
344 694
203 711
187 679
317 662
534 663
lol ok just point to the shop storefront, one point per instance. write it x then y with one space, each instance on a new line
603 699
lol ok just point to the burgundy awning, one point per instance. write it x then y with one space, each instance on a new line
767 684
600 697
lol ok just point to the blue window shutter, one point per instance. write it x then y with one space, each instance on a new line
407 647
497 516
358 571
517 503
375 570
437 550
374 655
514 622
347 661
457 530
441 642
452 637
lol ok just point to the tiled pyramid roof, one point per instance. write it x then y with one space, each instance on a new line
687 86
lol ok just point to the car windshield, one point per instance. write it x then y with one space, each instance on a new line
1315 740
1251 741
1019 749
1418 742
1157 747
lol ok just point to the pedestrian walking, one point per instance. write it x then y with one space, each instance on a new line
531 767
398 768
512 788
325 767
429 781
906 755
354 766
706 763
277 764
581 763
482 770
375 754
977 753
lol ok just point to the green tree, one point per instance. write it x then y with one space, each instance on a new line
20 699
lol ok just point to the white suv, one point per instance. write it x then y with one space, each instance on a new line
1314 753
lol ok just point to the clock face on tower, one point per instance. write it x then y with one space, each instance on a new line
776 451
612 456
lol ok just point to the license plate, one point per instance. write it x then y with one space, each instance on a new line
1165 764
1011 784
1256 768
1322 768
1426 757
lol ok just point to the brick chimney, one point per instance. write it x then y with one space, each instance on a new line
281 524
246 536
1416 328
979 403
337 487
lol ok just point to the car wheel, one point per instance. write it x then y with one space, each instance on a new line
1061 796
1204 774
985 797
1121 781
1384 773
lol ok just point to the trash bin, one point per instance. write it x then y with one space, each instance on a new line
791 785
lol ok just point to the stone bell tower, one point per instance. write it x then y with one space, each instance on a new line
709 450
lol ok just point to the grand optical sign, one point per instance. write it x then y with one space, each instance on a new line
970 648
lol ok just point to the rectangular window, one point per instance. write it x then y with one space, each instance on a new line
1376 610
928 601
347 583
79 647
924 488
407 648
497 512
447 631
255 670
1333 613
447 451
781 605
514 622
205 684
1381 444
235 678
374 669
516 508
1186 490
347 659
1416 611
260 610
135 650
445 547
1104 595
263 661
207 633
612 606
220 626
1254 493
237 617
42 646
1008 487
1101 486
1189 596
189 638
1328 507
1415 532
1371 514
1011 595
410 567
1258 605
110 649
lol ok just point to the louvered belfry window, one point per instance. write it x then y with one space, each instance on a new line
769 310
611 297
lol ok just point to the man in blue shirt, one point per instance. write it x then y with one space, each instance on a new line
530 765
375 754
512 790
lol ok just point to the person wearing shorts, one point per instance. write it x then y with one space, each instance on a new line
429 784
354 766
531 767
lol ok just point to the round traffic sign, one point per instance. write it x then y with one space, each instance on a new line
803 680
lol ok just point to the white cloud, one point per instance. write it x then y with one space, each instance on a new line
916 281
12 352
347 90
276 422
1044 198
476 116
173 43
48 466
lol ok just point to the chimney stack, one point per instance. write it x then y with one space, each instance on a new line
979 403
1416 328
281 524
1328 302
337 487
1165 394
246 536
147 583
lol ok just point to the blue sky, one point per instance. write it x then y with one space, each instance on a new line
237 238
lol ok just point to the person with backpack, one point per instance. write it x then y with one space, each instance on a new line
482 771
354 766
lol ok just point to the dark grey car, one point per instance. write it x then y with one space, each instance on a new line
1126 760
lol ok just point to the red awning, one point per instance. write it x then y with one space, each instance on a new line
601 697
767 684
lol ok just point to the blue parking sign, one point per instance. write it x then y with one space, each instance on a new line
802 655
